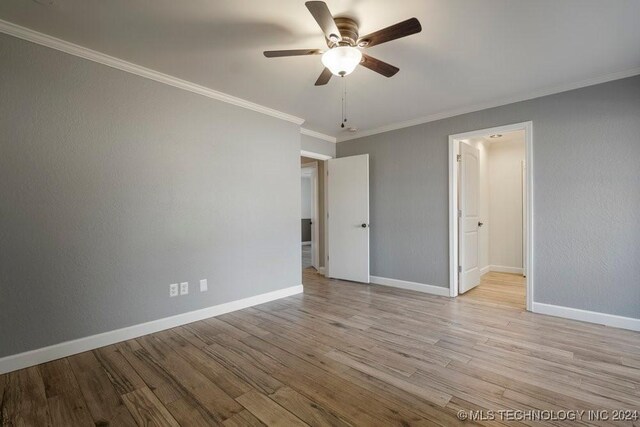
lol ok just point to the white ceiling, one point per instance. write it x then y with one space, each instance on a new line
469 53
517 135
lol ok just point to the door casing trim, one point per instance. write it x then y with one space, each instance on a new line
454 145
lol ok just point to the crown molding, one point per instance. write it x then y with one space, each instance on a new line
318 135
496 103
120 64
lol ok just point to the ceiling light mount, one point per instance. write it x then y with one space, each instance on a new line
496 135
348 30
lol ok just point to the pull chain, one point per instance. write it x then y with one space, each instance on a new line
344 102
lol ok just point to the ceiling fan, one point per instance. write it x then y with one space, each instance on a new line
343 40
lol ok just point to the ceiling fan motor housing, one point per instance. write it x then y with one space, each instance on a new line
348 30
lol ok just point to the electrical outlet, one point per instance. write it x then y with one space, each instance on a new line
203 285
184 288
173 290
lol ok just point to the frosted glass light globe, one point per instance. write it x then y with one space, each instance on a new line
342 60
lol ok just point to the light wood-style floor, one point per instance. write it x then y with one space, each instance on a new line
501 289
340 354
306 256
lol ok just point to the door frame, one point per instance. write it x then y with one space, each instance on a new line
323 157
454 144
315 213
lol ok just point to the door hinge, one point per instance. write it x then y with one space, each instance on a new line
459 269
459 157
459 213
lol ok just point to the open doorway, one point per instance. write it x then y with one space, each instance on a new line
309 215
313 213
491 220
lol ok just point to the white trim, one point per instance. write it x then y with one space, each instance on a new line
102 58
313 155
323 157
453 202
505 269
315 216
306 243
320 270
318 135
587 316
492 104
485 270
68 348
412 286
120 64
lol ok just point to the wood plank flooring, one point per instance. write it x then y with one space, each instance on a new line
502 289
340 354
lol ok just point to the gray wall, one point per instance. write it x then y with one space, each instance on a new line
113 186
587 196
315 145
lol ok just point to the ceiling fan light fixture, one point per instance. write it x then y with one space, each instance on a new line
342 60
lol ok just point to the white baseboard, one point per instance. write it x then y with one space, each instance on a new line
306 243
412 286
505 269
485 270
320 270
68 348
587 316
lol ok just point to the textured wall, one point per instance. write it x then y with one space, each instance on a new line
113 186
586 206
315 145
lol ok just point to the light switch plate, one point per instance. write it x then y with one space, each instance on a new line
203 285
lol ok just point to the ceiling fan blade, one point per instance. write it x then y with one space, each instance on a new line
397 31
323 17
292 52
378 66
324 78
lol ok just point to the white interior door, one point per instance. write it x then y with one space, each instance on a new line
469 217
524 218
348 218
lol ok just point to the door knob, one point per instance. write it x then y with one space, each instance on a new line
364 225
480 224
